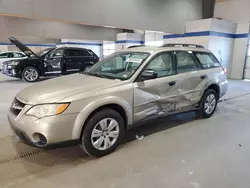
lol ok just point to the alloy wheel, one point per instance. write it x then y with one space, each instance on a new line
210 103
105 134
31 74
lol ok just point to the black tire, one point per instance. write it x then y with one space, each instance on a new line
201 113
86 139
34 70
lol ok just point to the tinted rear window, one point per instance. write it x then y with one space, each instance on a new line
77 52
207 60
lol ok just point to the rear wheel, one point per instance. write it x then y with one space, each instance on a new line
30 74
102 133
208 104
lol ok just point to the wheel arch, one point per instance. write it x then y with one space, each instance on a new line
215 87
115 103
25 66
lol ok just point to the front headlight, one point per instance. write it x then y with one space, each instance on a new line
44 110
13 63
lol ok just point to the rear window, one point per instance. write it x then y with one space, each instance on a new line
77 53
93 54
207 60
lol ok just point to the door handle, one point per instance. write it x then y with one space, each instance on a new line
172 83
203 76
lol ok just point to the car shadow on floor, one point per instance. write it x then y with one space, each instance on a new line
73 155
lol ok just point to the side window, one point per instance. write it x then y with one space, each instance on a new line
73 53
186 62
16 55
56 53
163 65
85 53
91 53
3 55
11 55
207 60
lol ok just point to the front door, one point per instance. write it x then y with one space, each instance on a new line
53 61
157 96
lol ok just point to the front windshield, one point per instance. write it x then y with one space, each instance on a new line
121 65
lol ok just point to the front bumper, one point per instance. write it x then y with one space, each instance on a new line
55 129
9 70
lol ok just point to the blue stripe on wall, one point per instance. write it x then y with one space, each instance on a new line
129 41
244 35
191 34
220 34
82 43
206 33
40 45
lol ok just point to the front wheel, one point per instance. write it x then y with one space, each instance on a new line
30 74
208 104
102 133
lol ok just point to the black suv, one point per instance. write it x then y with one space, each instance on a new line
49 62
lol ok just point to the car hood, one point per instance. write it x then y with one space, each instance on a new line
54 90
22 47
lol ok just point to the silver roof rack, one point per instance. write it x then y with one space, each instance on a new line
135 46
183 45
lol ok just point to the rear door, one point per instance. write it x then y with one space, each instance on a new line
73 60
191 79
78 59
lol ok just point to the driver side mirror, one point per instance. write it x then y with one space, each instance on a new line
148 75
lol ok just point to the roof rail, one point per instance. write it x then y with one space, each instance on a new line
183 45
135 46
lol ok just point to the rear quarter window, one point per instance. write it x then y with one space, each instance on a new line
207 60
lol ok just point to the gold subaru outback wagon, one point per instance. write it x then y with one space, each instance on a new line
96 107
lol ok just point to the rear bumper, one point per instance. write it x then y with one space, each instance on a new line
223 88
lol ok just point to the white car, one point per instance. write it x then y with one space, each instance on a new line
7 56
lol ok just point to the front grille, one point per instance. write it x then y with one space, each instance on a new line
16 107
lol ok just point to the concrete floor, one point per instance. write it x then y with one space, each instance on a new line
177 151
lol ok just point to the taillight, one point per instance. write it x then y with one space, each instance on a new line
224 70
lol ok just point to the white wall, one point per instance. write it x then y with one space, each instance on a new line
198 25
223 38
233 10
34 30
160 15
125 40
222 46
153 38
239 53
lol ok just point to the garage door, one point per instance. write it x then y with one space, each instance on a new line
247 66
